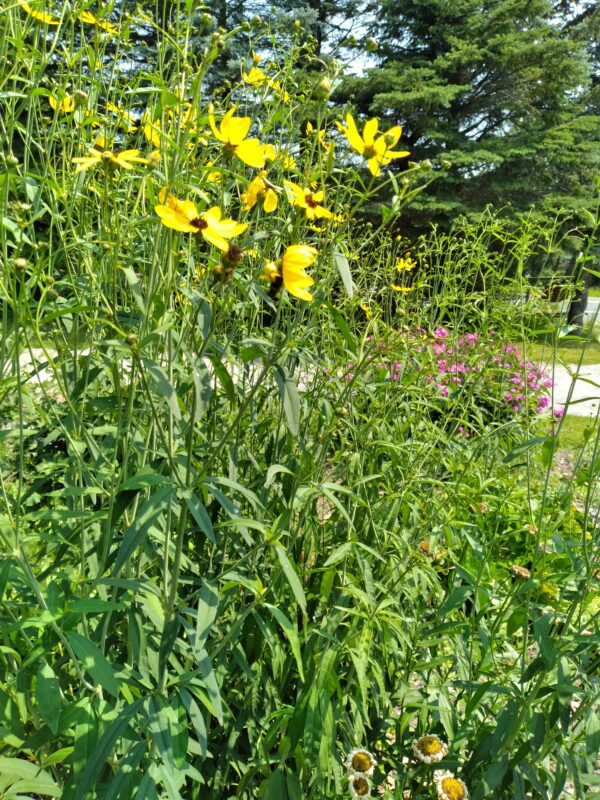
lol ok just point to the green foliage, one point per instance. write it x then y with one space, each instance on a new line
502 94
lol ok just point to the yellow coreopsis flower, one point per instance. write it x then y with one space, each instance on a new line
40 16
124 159
127 118
405 264
90 19
256 77
258 189
378 151
182 215
151 130
66 105
307 200
290 270
232 133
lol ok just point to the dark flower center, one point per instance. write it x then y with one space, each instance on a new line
199 223
361 762
310 201
361 786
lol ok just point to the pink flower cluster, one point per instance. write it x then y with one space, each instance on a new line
495 365
479 366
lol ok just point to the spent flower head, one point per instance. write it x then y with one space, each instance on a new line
359 786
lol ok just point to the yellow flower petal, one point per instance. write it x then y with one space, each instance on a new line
270 203
374 167
40 16
235 129
172 219
370 130
352 134
251 152
213 238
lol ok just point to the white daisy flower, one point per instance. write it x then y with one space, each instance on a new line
360 762
449 787
429 748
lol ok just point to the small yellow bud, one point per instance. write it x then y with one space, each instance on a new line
323 89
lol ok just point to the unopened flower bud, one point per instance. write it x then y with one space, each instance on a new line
389 139
446 164
206 19
256 21
426 164
222 273
323 89
371 44
20 263
80 97
12 160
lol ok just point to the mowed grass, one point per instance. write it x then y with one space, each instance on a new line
570 351
576 432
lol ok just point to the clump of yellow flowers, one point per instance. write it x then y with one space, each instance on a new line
246 174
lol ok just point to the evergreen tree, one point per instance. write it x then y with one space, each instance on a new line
501 89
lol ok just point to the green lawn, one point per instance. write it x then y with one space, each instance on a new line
568 352
574 432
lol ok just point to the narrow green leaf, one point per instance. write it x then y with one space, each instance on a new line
136 289
198 512
196 719
127 772
291 635
210 681
23 777
288 391
100 754
94 662
163 386
291 577
207 611
455 599
47 695
343 267
136 534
